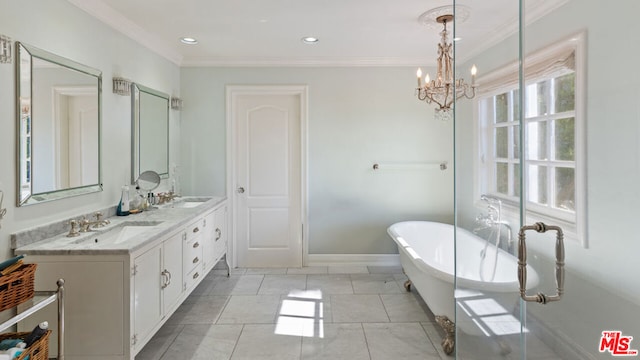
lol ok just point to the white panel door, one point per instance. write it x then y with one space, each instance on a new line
268 189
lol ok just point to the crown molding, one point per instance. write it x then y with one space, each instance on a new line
511 27
304 62
101 11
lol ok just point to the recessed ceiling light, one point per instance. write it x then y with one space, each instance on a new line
310 40
457 39
188 40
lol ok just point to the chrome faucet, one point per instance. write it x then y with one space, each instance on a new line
167 197
85 225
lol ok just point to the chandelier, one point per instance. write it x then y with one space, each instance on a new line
443 90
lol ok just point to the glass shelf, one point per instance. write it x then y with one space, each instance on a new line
24 310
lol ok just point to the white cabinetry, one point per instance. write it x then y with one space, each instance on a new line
192 263
157 275
117 300
214 237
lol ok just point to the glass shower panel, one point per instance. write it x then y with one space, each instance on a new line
487 143
579 298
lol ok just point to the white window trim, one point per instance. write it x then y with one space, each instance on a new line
576 230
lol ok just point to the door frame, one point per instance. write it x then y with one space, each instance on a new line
232 94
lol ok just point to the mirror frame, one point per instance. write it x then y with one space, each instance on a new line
136 89
34 52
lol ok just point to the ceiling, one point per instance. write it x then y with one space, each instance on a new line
269 33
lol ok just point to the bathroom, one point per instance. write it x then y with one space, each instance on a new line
359 116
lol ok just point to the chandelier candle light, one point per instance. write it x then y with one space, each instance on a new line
443 90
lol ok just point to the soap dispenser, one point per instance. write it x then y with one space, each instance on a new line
123 206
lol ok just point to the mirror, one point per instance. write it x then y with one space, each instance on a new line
148 181
150 131
58 133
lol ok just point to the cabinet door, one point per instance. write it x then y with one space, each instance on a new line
220 232
147 293
208 238
172 271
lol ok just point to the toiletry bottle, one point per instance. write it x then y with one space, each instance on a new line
123 206
37 333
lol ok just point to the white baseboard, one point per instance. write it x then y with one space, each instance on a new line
353 260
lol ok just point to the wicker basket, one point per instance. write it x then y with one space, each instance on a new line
39 350
17 287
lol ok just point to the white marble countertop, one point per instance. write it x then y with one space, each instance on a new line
148 226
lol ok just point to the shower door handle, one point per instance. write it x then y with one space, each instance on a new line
240 190
522 263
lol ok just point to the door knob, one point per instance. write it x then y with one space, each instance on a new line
240 190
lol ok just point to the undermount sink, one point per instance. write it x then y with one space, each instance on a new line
122 233
185 203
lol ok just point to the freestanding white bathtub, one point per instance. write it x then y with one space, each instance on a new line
427 256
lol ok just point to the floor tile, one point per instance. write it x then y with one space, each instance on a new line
357 309
250 309
308 270
374 284
348 270
204 342
282 284
160 342
336 342
236 271
266 271
236 285
385 269
330 284
199 310
399 341
261 342
403 308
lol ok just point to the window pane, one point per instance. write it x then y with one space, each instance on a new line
543 89
502 140
565 139
502 178
501 108
516 141
516 179
564 93
565 189
537 140
537 185
516 104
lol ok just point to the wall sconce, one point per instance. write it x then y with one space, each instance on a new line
5 50
121 86
176 103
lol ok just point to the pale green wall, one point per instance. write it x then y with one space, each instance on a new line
60 28
357 117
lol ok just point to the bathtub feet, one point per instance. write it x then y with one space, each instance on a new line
407 285
449 327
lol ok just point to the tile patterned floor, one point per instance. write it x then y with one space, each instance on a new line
346 312
354 312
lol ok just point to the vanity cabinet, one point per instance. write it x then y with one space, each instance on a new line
117 299
193 255
215 237
156 278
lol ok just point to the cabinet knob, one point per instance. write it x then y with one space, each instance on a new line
195 230
218 234
195 260
196 244
195 276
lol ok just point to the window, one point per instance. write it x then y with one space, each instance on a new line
553 138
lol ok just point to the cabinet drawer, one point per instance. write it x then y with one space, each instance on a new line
194 230
193 254
193 277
